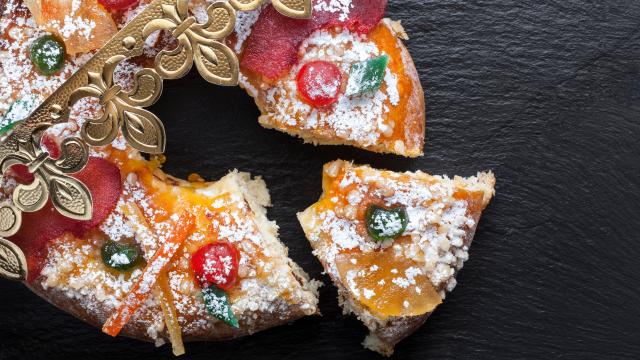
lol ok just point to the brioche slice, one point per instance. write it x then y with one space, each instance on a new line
393 242
388 119
271 289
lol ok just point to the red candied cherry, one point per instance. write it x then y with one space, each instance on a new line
216 264
114 5
319 83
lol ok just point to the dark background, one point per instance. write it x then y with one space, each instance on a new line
544 93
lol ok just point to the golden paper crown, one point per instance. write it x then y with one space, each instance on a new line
199 43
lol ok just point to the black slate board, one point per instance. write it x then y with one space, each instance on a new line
544 93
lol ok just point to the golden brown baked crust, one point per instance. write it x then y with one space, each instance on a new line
415 120
138 329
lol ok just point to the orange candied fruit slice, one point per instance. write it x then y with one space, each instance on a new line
388 284
82 25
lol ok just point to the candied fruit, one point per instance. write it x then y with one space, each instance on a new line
387 284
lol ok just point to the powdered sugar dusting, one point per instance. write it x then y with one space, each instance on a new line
438 223
17 74
357 119
244 24
74 25
341 7
320 87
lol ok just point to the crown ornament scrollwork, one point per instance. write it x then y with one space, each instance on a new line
12 261
123 110
202 44
52 180
52 177
299 9
13 264
197 43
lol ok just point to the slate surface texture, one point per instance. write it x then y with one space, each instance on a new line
545 93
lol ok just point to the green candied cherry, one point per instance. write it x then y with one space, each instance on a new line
120 256
47 54
386 224
366 77
216 302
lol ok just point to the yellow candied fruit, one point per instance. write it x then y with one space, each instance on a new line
388 284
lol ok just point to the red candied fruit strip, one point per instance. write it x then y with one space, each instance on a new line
272 47
115 5
103 180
